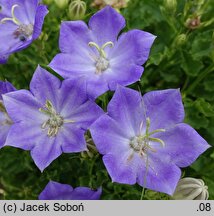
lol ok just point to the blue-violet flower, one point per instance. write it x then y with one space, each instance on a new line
57 191
5 121
143 139
96 53
20 23
51 118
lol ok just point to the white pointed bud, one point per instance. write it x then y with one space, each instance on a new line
191 189
61 3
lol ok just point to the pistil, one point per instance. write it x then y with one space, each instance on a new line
102 63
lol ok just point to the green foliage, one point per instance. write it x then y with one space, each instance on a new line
181 57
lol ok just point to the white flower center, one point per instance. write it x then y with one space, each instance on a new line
141 143
101 61
55 121
23 31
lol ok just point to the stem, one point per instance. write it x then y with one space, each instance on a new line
142 194
91 171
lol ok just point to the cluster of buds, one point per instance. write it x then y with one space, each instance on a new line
191 189
117 4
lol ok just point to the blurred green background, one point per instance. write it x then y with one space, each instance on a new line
181 57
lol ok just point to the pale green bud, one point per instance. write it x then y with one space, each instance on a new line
77 9
181 39
61 3
170 5
191 189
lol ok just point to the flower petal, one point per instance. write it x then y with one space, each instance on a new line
25 11
41 12
164 108
22 106
122 74
84 193
73 139
45 86
85 114
24 135
120 168
132 47
56 191
106 24
72 66
109 136
160 175
72 94
46 150
183 144
5 87
74 38
126 108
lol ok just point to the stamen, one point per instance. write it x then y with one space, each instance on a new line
13 18
101 49
141 144
55 120
157 140
109 43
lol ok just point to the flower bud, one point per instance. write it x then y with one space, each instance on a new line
61 3
180 40
193 23
77 9
170 5
191 189
117 4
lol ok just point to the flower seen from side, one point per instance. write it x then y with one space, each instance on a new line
20 24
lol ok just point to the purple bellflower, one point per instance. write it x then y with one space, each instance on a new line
51 118
57 191
20 23
143 139
96 53
5 121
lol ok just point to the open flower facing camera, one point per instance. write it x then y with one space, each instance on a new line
145 139
20 23
54 117
96 53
